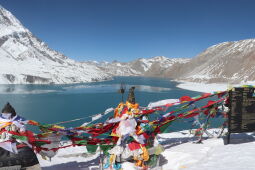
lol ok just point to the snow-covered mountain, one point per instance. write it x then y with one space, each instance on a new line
228 62
26 59
141 67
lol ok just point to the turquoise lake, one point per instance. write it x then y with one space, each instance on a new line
55 103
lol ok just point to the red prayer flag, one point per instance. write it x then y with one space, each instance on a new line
185 99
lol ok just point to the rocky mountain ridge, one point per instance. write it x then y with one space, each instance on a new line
228 62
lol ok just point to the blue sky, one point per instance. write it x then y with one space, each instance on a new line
128 29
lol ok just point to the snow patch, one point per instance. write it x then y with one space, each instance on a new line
210 87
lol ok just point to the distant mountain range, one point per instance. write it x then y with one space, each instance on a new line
152 67
228 62
25 59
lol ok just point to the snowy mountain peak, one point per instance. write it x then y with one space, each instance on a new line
159 58
9 23
8 18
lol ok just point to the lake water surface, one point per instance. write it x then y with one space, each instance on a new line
55 103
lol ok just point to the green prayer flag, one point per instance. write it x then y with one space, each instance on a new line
91 148
23 138
153 161
164 127
81 142
105 148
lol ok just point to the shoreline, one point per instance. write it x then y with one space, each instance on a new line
208 87
202 87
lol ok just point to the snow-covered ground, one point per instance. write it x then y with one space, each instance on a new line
70 158
180 153
209 88
212 154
